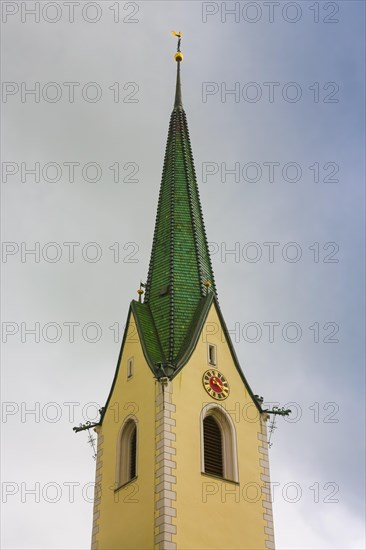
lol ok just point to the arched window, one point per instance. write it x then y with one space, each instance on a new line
127 453
218 439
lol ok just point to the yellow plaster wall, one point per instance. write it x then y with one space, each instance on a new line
226 518
126 517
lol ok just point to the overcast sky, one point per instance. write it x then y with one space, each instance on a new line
274 98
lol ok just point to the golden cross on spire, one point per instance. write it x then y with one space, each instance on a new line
178 56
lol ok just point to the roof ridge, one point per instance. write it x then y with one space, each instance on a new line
171 250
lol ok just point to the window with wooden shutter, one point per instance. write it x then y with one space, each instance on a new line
212 439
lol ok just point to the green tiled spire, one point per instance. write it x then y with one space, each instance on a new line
180 272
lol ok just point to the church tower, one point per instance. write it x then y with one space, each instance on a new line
182 460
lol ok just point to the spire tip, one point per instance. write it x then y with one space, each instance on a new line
178 56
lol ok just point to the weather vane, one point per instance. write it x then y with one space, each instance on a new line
178 56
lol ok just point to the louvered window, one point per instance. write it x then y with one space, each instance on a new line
133 453
218 443
127 454
212 440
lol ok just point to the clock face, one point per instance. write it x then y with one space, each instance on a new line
216 384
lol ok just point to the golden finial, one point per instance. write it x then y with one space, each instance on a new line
140 291
178 56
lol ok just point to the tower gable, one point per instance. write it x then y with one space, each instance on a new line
219 511
205 328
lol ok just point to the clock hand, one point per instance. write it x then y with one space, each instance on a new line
218 382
